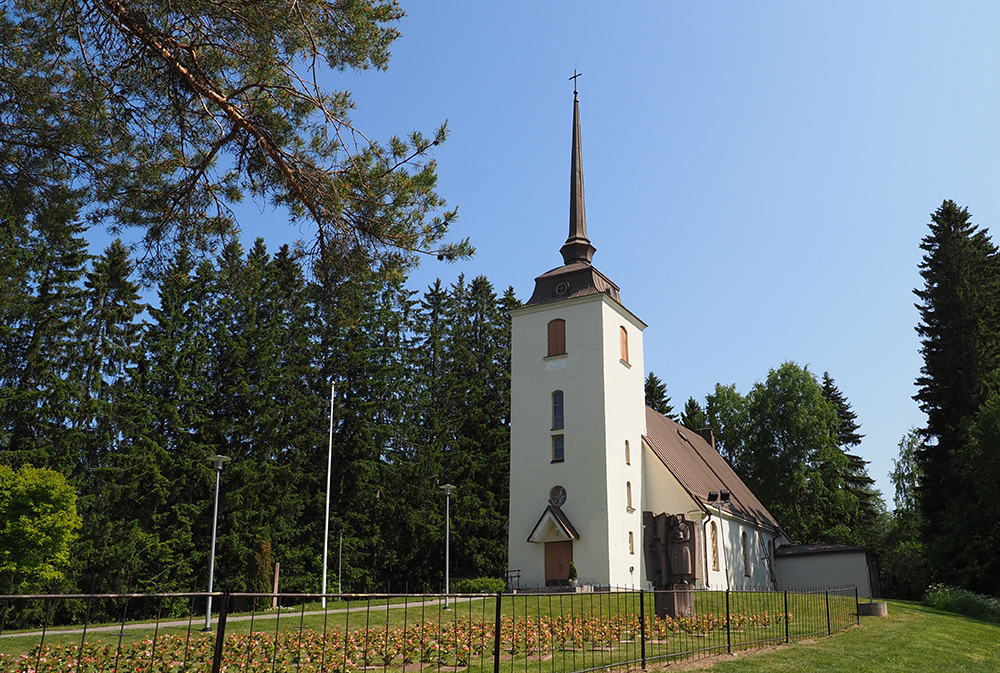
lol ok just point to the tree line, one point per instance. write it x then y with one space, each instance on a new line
237 357
789 439
126 402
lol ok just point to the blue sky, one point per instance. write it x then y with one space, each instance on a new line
758 175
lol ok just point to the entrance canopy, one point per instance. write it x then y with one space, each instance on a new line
553 526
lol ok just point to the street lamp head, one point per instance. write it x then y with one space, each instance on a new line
724 496
448 488
218 461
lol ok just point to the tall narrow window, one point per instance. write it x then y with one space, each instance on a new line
557 337
746 554
631 543
558 450
624 344
628 457
715 546
628 495
557 410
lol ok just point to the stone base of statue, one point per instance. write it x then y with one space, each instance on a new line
677 600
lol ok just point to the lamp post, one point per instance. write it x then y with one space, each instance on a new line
720 498
217 463
447 488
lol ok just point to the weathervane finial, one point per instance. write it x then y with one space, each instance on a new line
575 75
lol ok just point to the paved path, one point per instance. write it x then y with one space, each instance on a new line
231 618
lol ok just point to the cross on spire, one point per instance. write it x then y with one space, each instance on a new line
575 75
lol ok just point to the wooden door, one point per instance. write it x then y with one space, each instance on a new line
558 556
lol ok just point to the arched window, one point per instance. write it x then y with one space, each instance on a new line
746 553
628 494
715 546
557 410
628 458
624 344
557 337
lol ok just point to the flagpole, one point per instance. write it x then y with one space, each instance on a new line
329 467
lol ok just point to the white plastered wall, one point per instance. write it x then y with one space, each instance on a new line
662 493
603 406
733 574
625 411
814 571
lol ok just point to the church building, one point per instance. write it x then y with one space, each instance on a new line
628 497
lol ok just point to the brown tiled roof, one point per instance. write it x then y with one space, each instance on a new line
700 469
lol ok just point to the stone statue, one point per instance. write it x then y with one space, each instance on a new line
682 550
672 561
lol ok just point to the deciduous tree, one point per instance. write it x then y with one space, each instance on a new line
38 522
903 561
780 438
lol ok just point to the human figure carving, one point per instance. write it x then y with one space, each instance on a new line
680 536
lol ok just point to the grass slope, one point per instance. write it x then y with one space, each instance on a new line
911 638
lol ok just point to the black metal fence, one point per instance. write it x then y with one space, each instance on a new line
503 633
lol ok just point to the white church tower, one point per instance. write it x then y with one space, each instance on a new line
577 420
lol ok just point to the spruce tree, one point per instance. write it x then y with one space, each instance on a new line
693 416
857 482
121 486
847 420
979 464
43 347
656 396
959 329
430 428
360 326
173 374
478 458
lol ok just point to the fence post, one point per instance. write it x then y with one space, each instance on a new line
496 636
220 637
786 617
829 631
729 627
642 627
857 612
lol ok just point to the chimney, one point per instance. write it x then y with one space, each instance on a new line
706 434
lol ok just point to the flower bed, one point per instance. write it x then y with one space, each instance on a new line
460 643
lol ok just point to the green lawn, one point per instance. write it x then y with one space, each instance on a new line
911 638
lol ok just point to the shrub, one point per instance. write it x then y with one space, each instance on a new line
960 601
479 585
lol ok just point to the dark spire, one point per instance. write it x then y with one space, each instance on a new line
577 247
